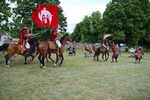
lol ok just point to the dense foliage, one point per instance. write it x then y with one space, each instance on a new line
127 20
22 17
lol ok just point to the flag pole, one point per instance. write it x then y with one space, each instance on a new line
32 27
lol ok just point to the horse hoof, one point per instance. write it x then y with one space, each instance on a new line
44 67
7 66
55 65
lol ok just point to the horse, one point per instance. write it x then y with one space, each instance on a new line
13 49
47 47
101 49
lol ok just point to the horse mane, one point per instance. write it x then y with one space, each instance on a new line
63 37
4 47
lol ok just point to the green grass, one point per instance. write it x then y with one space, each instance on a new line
78 78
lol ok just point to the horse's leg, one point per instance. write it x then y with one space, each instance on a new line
62 59
85 54
102 55
107 54
139 60
136 58
51 59
32 58
43 63
7 57
97 57
25 58
47 58
39 57
116 59
94 56
55 64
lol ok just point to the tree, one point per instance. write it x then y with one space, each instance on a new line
88 30
126 20
5 12
23 13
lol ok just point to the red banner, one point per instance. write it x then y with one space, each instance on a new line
46 16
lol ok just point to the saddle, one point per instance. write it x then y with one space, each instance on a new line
23 48
52 45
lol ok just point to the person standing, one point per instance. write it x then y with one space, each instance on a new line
115 52
138 54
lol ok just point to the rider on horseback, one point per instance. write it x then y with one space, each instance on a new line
23 39
55 38
105 43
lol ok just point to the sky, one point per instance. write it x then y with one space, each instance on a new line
76 10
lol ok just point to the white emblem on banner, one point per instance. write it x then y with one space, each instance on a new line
45 16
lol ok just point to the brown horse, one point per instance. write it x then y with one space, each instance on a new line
102 50
13 49
46 47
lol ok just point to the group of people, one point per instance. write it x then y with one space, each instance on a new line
25 34
54 37
72 48
138 53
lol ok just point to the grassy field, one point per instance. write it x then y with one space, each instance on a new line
78 78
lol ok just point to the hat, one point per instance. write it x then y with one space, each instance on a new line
25 28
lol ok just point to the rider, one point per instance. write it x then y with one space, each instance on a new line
105 43
138 54
23 38
55 38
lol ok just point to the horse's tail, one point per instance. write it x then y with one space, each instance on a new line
4 47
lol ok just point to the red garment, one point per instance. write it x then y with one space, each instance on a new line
113 50
53 37
105 42
23 36
139 52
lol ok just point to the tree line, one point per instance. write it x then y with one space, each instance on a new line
127 21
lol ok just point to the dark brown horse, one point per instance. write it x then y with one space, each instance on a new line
13 49
102 50
46 48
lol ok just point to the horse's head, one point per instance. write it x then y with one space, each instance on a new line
65 38
33 41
